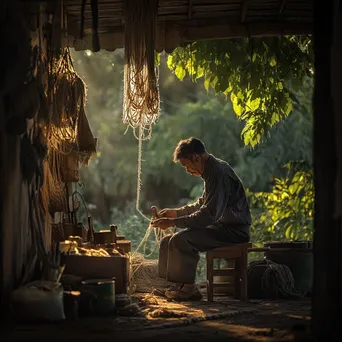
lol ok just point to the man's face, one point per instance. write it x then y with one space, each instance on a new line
192 166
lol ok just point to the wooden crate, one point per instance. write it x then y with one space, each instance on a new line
93 267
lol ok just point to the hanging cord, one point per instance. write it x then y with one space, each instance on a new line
158 233
77 193
95 20
137 204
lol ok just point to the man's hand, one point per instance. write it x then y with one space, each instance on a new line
169 213
162 223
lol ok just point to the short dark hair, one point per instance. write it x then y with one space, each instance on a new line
188 147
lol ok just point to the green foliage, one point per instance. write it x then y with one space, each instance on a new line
212 120
290 140
287 212
259 75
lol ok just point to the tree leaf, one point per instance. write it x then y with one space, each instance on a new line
238 108
180 72
273 62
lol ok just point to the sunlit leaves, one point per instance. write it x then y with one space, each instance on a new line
287 211
180 72
237 104
258 74
273 62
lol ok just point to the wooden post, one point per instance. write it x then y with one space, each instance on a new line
336 85
210 278
326 303
237 278
243 274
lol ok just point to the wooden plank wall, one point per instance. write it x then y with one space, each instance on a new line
16 243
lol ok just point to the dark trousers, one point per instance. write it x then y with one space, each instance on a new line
179 253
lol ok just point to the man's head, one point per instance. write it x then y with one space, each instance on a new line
192 155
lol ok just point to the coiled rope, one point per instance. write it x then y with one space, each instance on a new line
282 274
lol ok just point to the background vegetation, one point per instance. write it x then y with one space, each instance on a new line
248 100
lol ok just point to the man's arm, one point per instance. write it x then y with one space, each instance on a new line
190 208
210 211
183 211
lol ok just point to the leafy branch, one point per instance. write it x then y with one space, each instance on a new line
260 76
287 212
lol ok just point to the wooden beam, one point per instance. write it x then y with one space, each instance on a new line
282 7
244 9
237 29
190 10
172 34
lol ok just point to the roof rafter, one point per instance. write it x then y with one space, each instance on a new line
244 10
183 21
190 9
282 7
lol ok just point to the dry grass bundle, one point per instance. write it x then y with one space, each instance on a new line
144 275
141 90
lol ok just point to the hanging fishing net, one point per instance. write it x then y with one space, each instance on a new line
68 128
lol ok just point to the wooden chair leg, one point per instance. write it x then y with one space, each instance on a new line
210 278
243 275
237 278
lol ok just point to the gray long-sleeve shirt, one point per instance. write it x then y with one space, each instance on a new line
223 201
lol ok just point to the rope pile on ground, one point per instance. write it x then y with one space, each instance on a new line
276 281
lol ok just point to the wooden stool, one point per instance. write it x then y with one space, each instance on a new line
237 252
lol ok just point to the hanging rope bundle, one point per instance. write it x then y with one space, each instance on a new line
141 103
70 140
68 100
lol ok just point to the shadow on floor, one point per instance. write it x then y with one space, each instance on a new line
266 321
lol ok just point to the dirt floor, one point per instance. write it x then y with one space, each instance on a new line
159 320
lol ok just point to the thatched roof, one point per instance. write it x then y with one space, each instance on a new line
183 21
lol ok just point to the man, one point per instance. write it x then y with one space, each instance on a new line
220 217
